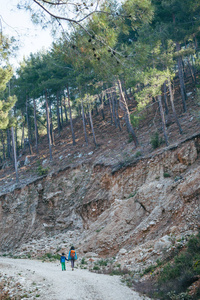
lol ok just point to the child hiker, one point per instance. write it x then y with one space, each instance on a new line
62 261
72 256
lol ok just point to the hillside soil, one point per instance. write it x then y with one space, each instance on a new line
114 146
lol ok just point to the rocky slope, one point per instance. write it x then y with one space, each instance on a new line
136 210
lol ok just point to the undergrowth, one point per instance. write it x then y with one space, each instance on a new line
172 280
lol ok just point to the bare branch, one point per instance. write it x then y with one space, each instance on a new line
59 3
60 17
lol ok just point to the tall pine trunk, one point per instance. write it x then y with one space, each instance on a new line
124 107
173 107
92 127
70 115
22 139
36 127
48 126
180 71
28 127
58 113
16 142
181 78
61 114
65 109
51 126
84 125
15 156
8 143
102 106
110 107
114 109
117 114
125 91
165 98
192 71
3 144
163 119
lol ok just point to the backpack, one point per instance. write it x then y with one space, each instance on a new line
72 253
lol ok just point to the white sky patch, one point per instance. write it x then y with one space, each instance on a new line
17 23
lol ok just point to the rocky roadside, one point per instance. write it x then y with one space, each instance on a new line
19 287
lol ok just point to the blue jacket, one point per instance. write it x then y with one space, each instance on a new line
69 255
63 259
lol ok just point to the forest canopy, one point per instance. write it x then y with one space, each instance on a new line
107 52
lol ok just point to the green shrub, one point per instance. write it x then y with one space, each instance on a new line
156 141
50 256
102 262
135 119
138 154
166 175
130 138
42 171
83 262
194 245
181 296
149 269
176 276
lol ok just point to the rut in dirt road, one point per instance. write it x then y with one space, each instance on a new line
54 284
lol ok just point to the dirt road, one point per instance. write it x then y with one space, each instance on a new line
53 284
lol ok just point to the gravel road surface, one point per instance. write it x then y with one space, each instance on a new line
54 284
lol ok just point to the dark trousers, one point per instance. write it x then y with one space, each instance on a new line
72 263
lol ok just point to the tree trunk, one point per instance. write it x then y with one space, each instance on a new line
181 79
61 114
102 106
163 119
15 156
58 113
16 143
117 114
84 126
96 108
192 71
36 127
110 107
3 144
22 140
91 122
173 107
48 126
51 127
113 109
8 143
28 127
165 98
70 115
125 91
124 107
65 109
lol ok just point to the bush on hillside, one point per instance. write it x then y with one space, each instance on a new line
173 280
156 141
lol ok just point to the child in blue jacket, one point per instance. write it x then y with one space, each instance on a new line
62 261
72 256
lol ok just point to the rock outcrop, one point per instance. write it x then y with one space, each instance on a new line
134 212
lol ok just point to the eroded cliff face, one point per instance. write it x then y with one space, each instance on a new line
133 212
